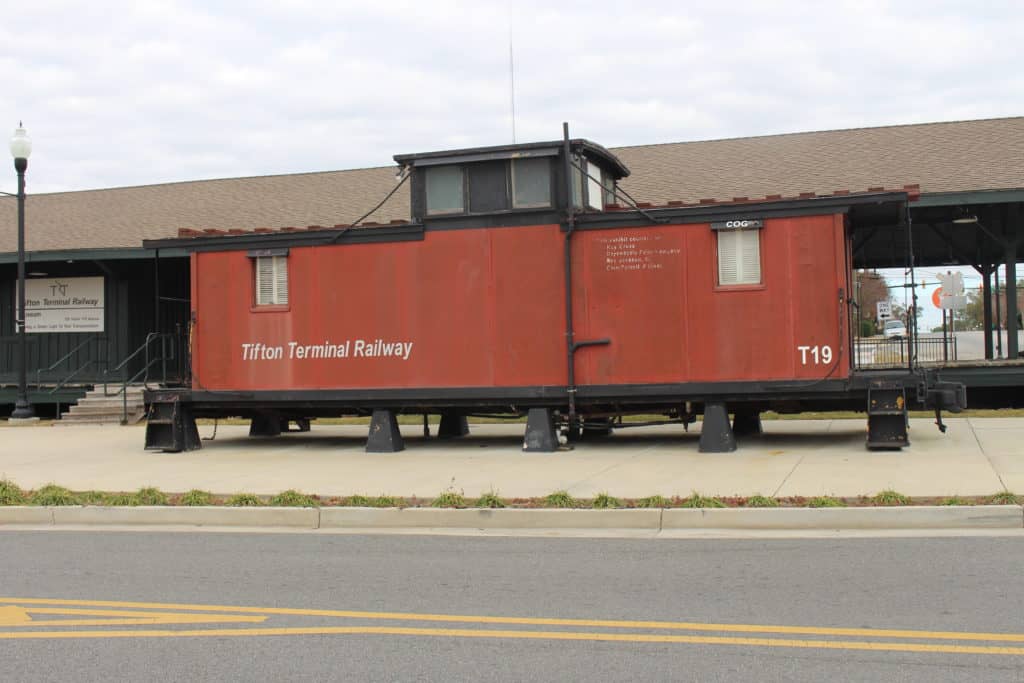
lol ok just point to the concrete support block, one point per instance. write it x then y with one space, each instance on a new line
384 436
266 424
453 425
746 422
716 435
541 436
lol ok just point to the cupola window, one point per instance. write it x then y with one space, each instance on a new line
445 190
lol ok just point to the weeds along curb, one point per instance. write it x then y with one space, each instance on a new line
654 519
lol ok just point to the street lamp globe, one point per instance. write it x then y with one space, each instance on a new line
21 143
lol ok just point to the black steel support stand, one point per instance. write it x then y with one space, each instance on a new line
266 424
716 436
541 436
746 422
384 436
887 416
171 428
453 425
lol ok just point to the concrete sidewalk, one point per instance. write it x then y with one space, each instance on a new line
977 456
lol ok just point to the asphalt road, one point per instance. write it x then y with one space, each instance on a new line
971 344
316 600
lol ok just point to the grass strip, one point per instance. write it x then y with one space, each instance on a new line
54 495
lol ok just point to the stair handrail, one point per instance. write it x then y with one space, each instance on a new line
167 353
121 366
67 378
144 372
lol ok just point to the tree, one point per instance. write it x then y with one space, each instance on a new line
869 288
972 317
900 313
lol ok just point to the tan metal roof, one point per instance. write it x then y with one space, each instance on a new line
941 157
958 156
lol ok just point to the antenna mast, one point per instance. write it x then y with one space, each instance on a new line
512 82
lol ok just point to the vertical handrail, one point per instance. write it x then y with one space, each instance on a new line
163 360
165 351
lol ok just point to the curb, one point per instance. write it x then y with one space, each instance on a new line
487 518
99 515
25 515
924 517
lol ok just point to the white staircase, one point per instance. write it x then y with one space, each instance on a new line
96 408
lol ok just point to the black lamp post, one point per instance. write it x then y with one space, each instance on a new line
21 148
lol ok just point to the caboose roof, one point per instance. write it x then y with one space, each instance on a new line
551 148
951 161
867 209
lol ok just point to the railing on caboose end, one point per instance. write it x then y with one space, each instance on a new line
878 353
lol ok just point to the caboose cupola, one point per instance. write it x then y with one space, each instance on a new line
526 178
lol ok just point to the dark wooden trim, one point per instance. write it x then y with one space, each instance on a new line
113 254
301 238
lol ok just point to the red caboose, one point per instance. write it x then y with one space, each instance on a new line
522 285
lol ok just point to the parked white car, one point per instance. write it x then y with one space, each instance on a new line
894 329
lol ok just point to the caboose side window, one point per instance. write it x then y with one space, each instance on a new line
577 182
609 189
531 183
445 190
488 186
739 257
271 280
595 188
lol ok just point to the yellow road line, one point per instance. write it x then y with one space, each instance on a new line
541 621
12 615
128 622
123 618
529 635
139 613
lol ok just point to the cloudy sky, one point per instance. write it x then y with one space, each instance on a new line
153 91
